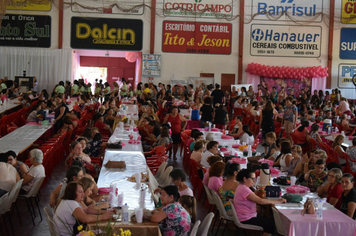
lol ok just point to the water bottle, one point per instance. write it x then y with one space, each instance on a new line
249 151
329 130
336 130
125 214
319 211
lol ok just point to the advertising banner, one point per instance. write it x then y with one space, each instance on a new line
346 72
106 33
287 10
348 43
122 7
348 12
29 5
198 8
285 41
25 31
196 37
151 65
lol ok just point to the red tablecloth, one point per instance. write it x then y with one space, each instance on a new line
193 124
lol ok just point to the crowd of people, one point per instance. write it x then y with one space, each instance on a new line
161 125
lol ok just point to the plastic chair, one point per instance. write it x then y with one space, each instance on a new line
222 212
241 225
51 225
205 225
277 221
14 193
160 171
195 228
32 194
210 197
165 176
3 202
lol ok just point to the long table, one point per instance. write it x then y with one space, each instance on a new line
22 138
8 105
346 143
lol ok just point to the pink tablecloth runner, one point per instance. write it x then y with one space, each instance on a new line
334 222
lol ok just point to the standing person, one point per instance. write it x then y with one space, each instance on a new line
348 197
123 90
60 88
178 124
191 93
290 117
206 112
60 112
107 91
267 121
75 88
282 95
221 118
217 95
250 92
274 94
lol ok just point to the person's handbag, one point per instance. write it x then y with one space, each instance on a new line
292 198
273 191
282 180
116 145
308 207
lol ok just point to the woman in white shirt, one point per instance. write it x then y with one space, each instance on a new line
69 210
285 160
36 171
247 137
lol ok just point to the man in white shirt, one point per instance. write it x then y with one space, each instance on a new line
211 149
36 171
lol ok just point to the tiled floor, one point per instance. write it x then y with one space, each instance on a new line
41 227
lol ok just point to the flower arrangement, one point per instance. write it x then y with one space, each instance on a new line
125 120
101 233
39 117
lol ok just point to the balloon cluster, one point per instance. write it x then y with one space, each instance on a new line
132 56
286 71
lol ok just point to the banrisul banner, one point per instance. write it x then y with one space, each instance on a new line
198 8
348 43
25 31
285 41
196 37
106 33
346 72
348 12
296 10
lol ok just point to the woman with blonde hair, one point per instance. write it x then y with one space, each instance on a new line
296 158
189 203
88 186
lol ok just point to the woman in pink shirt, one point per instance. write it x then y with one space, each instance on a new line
245 203
215 180
199 148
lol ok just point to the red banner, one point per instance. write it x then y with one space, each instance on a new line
196 37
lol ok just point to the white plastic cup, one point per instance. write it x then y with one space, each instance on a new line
139 215
293 179
138 178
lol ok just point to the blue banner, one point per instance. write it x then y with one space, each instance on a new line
348 43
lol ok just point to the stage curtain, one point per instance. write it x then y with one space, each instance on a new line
49 66
254 80
318 84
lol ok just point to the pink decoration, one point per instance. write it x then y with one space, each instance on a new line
297 189
238 160
215 129
223 149
104 190
270 163
236 145
226 137
286 72
132 56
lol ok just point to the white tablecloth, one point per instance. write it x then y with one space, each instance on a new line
21 138
346 143
8 105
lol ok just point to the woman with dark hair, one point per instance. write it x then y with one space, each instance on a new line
245 203
300 134
60 112
21 167
107 91
178 124
124 88
93 147
247 137
314 134
189 203
266 120
179 177
286 157
348 197
32 117
316 178
173 218
69 210
351 151
103 128
227 190
206 112
215 179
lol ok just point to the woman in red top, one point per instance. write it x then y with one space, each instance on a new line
300 134
335 190
103 128
75 116
178 124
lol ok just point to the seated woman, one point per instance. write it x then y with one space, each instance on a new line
334 190
199 148
21 167
348 197
36 171
346 125
67 126
189 203
32 117
178 178
271 142
88 186
245 203
212 148
75 116
69 210
237 129
315 178
103 128
211 160
227 190
215 179
338 148
93 147
74 173
173 218
8 175
77 154
247 136
300 134
351 151
277 153
315 135
296 158
109 117
285 160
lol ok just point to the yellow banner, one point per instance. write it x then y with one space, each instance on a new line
30 5
348 12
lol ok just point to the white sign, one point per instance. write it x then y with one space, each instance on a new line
151 65
285 41
122 7
198 8
346 72
287 10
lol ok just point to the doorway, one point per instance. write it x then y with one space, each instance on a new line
226 81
